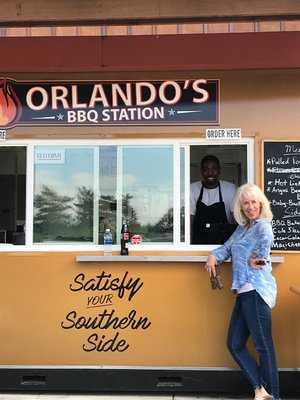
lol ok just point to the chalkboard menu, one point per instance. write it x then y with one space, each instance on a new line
282 187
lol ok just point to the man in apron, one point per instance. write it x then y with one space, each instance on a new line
211 205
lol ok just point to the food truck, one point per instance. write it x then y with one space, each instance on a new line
95 133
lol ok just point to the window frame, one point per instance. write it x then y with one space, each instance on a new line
249 142
177 143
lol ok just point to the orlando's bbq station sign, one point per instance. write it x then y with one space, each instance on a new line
170 102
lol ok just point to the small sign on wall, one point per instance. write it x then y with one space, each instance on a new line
224 133
53 156
2 134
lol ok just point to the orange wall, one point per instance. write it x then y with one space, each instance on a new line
263 103
188 319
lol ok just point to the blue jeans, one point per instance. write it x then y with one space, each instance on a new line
251 316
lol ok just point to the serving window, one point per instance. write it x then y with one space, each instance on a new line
215 174
81 191
76 191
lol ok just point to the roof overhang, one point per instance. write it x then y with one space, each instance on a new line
232 51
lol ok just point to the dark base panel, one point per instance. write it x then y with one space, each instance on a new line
136 381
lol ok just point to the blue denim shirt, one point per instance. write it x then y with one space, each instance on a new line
244 242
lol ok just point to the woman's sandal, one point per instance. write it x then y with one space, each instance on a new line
262 394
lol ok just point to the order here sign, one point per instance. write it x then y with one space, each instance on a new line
224 133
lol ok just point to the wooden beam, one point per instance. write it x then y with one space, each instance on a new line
62 12
150 53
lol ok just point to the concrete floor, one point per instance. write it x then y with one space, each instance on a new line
110 397
34 396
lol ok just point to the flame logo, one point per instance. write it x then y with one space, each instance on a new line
9 103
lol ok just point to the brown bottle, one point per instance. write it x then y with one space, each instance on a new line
125 238
216 281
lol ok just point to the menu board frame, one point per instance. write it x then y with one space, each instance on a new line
263 152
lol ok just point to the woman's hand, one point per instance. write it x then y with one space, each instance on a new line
210 265
256 263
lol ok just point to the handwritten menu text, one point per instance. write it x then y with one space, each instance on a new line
282 187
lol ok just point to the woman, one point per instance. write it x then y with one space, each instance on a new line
252 280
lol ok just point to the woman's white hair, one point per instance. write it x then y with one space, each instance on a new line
254 190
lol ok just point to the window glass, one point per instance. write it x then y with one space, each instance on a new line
134 184
63 194
108 191
147 195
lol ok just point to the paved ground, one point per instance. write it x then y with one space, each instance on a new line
4 396
108 397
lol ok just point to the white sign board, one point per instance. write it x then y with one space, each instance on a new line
223 133
2 134
53 156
